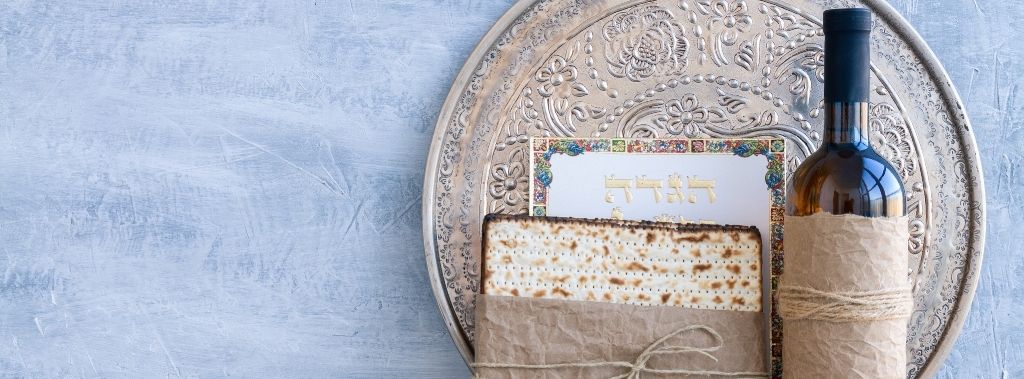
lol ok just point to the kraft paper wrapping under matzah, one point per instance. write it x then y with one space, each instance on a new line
845 253
693 266
519 330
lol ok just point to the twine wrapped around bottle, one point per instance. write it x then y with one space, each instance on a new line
804 303
845 297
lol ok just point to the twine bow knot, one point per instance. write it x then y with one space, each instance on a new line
639 366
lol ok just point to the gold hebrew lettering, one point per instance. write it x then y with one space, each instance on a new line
665 218
655 184
624 184
617 213
675 184
708 184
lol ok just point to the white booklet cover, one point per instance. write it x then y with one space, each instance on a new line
721 181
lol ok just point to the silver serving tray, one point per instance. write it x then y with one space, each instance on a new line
712 68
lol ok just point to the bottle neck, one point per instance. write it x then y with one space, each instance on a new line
846 125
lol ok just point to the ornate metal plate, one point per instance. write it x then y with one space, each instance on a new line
713 68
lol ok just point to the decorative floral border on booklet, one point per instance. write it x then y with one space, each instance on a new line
543 149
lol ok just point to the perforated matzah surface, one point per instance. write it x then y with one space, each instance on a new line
696 266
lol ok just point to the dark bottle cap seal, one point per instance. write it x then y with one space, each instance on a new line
847 55
847 19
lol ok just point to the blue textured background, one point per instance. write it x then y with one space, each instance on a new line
232 188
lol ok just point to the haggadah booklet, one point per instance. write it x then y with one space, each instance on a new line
685 181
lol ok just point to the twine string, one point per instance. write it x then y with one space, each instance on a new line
797 302
639 366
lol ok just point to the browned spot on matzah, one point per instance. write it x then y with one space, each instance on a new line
738 300
560 291
540 293
735 268
702 237
608 296
616 281
701 267
731 283
716 285
717 300
506 259
695 299
637 266
511 244
745 283
643 297
605 248
665 296
695 252
583 278
515 292
637 282
753 267
573 246
675 250
727 253
651 237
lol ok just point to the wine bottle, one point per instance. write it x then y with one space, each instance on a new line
845 175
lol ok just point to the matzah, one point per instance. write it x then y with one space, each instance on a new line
626 262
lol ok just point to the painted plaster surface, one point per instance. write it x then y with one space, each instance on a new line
232 188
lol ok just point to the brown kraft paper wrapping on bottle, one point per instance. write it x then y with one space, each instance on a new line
845 253
521 330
